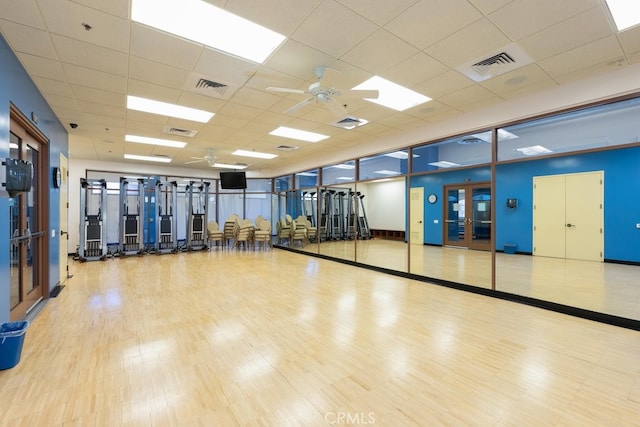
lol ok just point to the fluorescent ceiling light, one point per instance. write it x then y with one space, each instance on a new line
301 135
166 109
534 150
205 23
228 166
386 172
13 145
307 174
343 166
392 95
255 154
344 178
626 13
154 141
147 158
402 155
444 164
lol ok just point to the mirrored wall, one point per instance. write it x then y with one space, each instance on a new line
547 208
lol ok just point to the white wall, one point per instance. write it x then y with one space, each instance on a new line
385 204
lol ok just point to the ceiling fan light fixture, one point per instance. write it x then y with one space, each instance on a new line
392 95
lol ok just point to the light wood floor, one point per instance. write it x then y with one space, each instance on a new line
602 287
274 338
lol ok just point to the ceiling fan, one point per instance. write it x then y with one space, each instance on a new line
209 158
324 94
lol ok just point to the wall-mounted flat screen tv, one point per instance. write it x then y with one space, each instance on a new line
233 180
18 176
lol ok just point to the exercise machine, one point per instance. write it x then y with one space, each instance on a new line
93 220
197 214
363 224
131 217
166 201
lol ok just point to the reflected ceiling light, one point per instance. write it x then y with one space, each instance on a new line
147 158
301 135
344 178
229 166
503 135
255 154
381 180
154 141
402 155
626 13
307 174
202 22
392 95
166 109
444 164
386 172
534 150
343 166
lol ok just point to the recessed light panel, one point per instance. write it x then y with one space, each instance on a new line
166 109
298 134
147 158
205 23
392 95
255 154
228 166
626 13
154 141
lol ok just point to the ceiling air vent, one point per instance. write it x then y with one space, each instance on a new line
210 85
502 61
286 148
349 122
179 132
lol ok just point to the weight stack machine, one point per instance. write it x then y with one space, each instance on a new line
131 217
363 224
197 214
166 199
93 220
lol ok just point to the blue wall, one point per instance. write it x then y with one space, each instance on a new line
16 87
434 183
621 199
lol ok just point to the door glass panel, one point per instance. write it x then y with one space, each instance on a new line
456 215
481 223
31 279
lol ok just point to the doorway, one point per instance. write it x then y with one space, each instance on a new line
568 216
468 216
416 214
64 219
28 222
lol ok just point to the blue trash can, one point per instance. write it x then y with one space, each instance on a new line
510 248
11 340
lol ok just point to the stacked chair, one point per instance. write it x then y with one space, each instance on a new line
262 233
214 234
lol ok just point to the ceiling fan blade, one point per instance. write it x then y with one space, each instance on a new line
298 106
194 161
336 108
327 76
284 89
367 94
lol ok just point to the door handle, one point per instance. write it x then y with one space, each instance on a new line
570 225
62 232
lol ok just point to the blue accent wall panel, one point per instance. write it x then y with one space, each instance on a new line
621 199
16 87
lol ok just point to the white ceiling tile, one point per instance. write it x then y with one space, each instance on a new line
521 18
164 48
119 8
517 80
578 30
102 109
256 98
39 66
27 14
475 40
27 39
423 25
488 6
594 53
224 68
160 74
389 49
630 41
282 16
333 29
53 87
203 102
149 90
67 18
297 60
97 79
415 69
383 11
467 96
443 84
92 94
91 56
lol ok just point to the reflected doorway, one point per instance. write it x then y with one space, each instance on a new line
468 216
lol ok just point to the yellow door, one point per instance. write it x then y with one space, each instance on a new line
568 219
549 216
64 215
416 215
585 216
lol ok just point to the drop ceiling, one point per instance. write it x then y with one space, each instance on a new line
86 74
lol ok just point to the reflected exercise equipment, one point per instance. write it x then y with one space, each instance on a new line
166 200
197 214
93 201
131 217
